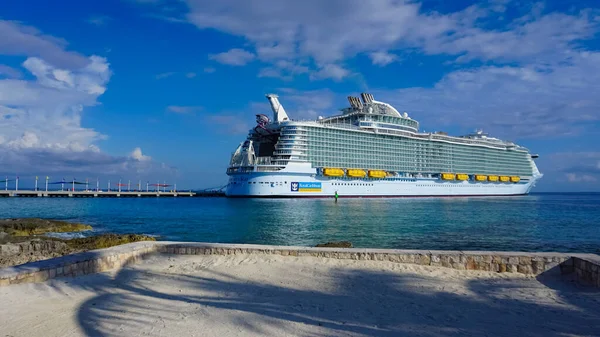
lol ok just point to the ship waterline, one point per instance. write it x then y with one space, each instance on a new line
371 150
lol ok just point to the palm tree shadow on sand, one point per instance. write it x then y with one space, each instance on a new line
360 302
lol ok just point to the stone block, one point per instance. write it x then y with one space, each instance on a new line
512 268
525 260
459 266
407 258
59 271
513 260
537 267
40 276
470 263
52 273
485 266
424 259
502 268
524 269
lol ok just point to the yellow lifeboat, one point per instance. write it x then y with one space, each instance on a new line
504 179
492 178
480 177
333 172
356 173
515 179
448 176
376 174
462 176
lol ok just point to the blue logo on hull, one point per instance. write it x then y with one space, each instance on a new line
305 187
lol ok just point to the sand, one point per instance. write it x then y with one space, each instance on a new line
258 295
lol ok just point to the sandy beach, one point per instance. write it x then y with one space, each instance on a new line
257 295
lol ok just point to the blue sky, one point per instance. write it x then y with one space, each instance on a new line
154 89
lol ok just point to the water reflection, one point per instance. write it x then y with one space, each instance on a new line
536 222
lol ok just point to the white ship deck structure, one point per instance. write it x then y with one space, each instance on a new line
372 150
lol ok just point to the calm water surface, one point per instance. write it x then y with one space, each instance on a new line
539 222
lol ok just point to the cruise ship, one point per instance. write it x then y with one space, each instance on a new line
372 150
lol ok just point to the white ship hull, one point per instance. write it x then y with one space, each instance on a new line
290 185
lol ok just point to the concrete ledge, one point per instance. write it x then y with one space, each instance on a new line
585 266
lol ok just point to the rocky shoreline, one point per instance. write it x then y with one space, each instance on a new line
26 240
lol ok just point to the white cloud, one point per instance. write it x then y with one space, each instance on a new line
382 58
18 39
137 155
576 178
333 71
233 57
99 20
283 69
230 124
306 104
40 116
574 170
511 101
51 105
9 72
190 75
209 70
164 75
327 33
183 110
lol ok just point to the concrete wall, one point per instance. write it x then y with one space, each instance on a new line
585 266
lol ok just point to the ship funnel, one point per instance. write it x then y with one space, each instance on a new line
367 98
352 102
364 97
359 104
279 114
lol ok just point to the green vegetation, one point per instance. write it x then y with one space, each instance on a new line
35 226
23 240
336 244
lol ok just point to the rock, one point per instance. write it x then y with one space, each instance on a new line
336 244
36 226
106 240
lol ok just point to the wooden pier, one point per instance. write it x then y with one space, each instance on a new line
93 194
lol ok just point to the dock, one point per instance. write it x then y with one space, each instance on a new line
94 194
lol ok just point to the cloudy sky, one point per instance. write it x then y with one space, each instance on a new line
166 89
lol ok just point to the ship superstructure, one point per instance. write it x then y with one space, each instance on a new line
372 150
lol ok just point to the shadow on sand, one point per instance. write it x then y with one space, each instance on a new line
357 302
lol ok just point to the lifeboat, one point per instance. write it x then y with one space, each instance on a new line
448 176
492 178
515 179
480 177
333 172
356 173
462 176
376 174
504 179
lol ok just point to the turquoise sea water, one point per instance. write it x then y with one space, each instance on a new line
539 222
